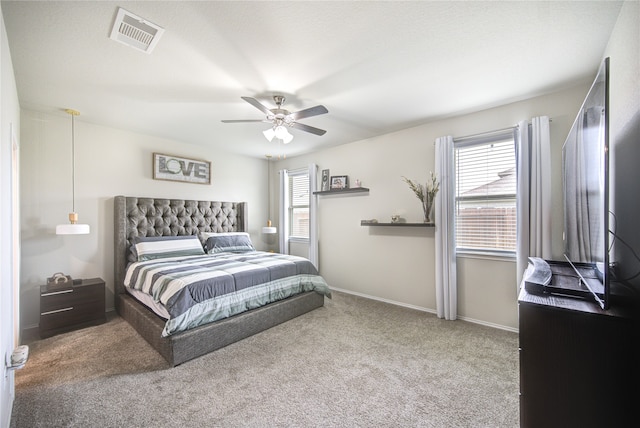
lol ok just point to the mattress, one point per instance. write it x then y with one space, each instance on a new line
190 291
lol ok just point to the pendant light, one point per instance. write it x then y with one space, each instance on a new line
73 228
268 229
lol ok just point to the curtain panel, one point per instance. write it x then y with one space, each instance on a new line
283 190
446 283
533 205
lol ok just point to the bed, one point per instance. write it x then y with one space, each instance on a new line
140 222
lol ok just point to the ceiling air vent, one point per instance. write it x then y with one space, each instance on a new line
136 32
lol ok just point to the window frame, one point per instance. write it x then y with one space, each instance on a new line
291 206
480 140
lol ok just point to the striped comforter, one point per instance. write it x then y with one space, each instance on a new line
196 290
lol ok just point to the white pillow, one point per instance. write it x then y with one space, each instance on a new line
171 247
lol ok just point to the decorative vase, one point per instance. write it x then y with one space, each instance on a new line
427 207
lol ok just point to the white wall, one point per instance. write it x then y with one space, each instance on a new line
397 264
109 162
624 135
9 127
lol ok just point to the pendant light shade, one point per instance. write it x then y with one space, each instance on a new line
268 229
73 228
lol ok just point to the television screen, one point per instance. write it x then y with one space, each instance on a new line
586 190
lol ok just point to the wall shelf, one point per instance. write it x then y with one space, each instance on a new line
342 191
369 223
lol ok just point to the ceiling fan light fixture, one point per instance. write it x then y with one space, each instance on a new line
286 139
269 134
283 119
281 132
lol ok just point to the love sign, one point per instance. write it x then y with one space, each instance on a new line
176 168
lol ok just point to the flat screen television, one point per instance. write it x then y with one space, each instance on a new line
585 169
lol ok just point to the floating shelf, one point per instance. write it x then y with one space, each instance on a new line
369 223
339 191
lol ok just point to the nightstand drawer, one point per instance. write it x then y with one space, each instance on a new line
68 309
54 300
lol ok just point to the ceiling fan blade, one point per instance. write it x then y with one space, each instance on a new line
308 128
308 112
257 105
243 120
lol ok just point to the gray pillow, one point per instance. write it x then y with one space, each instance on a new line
229 242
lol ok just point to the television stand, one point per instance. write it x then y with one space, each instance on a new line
579 364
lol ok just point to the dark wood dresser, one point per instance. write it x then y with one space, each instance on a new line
578 364
66 309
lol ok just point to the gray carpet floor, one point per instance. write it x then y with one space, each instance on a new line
353 363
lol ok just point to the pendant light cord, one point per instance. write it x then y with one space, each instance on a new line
73 163
269 187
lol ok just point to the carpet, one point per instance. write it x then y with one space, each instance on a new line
355 362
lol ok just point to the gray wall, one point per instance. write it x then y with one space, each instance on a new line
109 162
397 265
624 51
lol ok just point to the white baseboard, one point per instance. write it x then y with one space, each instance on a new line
420 308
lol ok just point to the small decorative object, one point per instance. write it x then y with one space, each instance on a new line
426 194
176 168
59 281
395 218
357 184
339 182
325 180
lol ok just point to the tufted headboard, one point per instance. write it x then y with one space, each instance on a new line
169 217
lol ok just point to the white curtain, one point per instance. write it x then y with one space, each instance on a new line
583 236
313 217
446 284
533 163
284 211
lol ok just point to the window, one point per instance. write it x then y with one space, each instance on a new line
485 198
299 204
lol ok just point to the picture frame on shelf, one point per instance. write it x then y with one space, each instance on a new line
325 180
339 182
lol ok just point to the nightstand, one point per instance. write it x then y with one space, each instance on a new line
71 308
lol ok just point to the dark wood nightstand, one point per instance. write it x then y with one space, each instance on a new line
71 308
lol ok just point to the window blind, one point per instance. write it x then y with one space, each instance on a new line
486 194
299 204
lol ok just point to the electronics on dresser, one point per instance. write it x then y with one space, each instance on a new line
562 278
585 178
585 169
537 276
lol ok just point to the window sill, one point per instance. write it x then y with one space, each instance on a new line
298 240
511 257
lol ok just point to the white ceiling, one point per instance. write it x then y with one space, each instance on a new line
378 67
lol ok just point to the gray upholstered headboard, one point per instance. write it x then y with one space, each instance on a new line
165 217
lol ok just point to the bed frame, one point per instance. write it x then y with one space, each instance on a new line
135 216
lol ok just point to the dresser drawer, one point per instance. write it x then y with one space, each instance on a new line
68 309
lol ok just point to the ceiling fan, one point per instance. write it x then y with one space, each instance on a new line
281 119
